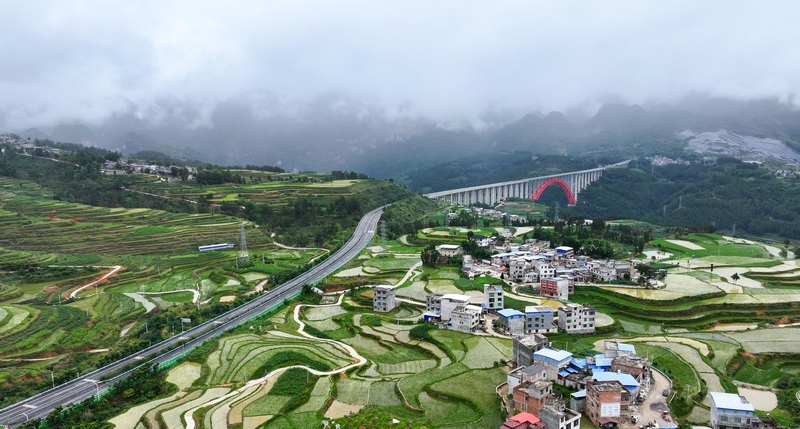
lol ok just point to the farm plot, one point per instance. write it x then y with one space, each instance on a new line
391 263
412 386
172 417
687 285
484 398
382 393
441 410
481 353
184 375
248 352
352 391
321 313
11 317
416 291
319 395
443 286
692 357
774 340
661 295
408 367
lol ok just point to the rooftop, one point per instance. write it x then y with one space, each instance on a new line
554 354
456 297
730 401
510 312
533 369
622 377
538 309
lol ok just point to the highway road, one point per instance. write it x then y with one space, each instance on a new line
39 406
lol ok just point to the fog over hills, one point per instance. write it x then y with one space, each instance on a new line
385 87
339 133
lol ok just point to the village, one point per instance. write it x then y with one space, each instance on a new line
547 387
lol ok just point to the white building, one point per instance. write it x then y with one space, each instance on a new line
731 411
449 250
383 298
445 304
576 319
492 297
465 318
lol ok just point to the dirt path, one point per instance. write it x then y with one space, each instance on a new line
410 273
359 360
87 285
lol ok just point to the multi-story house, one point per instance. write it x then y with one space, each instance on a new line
576 319
383 298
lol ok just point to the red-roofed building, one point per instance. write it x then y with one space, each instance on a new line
523 421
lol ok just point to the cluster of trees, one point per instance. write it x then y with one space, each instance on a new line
218 177
347 175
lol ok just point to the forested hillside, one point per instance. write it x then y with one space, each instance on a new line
720 195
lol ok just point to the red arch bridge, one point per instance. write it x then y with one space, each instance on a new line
571 183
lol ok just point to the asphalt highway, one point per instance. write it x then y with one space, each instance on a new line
39 406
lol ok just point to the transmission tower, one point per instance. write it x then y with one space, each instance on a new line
244 257
734 230
556 211
664 211
447 218
680 201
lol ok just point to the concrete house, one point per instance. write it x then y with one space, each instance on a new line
555 415
512 321
607 402
530 397
383 299
731 411
524 346
539 319
449 250
465 318
554 360
576 319
556 287
492 297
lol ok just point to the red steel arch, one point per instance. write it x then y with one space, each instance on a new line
564 187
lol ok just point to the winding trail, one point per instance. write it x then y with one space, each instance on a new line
360 360
410 273
87 285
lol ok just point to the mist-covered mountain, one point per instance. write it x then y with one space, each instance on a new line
339 133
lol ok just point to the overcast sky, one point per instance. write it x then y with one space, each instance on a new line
68 60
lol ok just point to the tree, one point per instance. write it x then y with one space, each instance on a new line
735 277
429 256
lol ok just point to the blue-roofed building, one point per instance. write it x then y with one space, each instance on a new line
512 321
732 411
577 401
600 362
626 380
554 360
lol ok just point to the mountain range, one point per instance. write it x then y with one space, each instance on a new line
343 134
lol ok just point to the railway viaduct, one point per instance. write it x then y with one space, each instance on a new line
571 183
